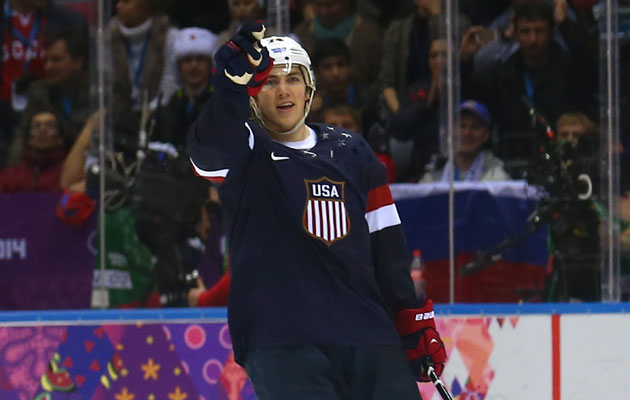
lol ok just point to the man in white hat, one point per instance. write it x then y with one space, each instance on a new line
193 51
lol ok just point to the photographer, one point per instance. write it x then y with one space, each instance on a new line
568 170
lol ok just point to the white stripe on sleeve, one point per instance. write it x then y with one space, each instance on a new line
220 173
382 218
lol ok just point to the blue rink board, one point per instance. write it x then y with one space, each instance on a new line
219 314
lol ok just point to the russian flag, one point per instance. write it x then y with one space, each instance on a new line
486 214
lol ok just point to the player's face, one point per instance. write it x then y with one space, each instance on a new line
282 100
194 70
473 133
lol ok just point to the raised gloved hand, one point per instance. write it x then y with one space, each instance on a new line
416 328
243 60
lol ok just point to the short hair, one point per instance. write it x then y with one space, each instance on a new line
332 47
345 110
576 118
76 43
534 10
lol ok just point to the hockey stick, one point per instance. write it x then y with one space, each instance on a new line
427 364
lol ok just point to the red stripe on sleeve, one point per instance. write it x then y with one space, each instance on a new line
379 197
216 179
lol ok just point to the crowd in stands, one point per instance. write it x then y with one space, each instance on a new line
380 69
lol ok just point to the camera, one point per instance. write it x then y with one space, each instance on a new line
165 199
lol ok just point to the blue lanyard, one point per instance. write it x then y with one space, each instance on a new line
18 35
67 106
350 96
529 88
143 52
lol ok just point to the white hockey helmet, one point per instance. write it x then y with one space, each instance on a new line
286 51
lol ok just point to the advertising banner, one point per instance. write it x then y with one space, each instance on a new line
524 352
44 263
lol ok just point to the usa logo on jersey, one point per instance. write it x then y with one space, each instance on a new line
325 215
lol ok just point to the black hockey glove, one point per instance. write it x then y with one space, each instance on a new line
243 60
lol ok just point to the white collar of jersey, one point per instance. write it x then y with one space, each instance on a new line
305 144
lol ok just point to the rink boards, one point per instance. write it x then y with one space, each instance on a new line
544 351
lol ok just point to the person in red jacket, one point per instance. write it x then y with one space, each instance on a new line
42 160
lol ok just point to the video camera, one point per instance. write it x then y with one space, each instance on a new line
568 175
156 182
568 178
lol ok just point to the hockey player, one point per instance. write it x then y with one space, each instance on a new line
320 290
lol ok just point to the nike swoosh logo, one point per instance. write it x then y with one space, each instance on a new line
274 157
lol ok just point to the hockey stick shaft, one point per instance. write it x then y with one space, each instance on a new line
427 364
438 384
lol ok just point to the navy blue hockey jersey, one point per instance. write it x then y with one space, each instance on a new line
317 252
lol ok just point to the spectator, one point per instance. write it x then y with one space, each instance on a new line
332 64
24 25
213 285
471 163
504 42
142 53
504 23
65 88
193 51
572 126
414 130
343 116
73 173
213 15
338 19
483 12
42 159
539 74
349 118
406 51
242 11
